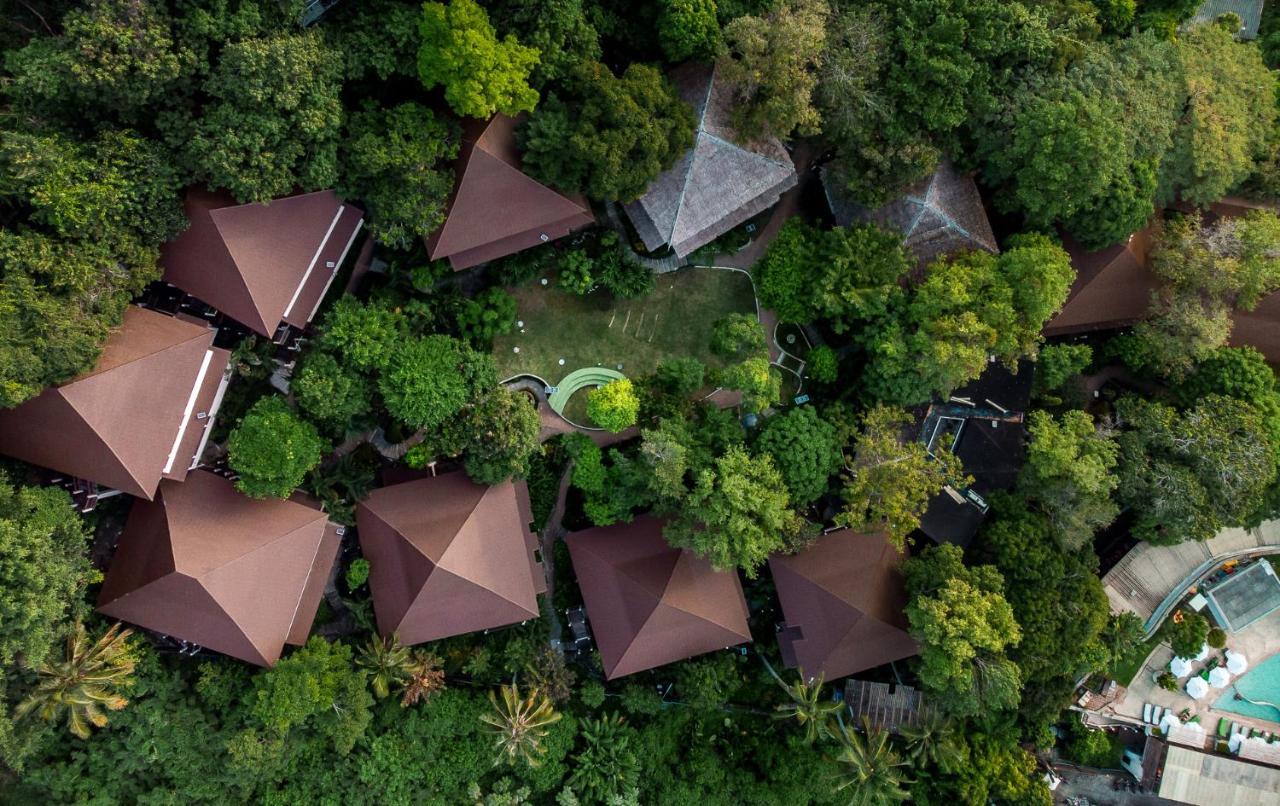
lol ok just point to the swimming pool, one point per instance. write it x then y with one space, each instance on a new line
1261 683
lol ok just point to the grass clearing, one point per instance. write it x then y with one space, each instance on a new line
599 330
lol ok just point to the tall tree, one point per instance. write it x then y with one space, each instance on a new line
771 61
606 135
272 119
1069 474
480 74
429 379
845 276
869 767
44 570
806 450
688 29
890 479
964 626
520 724
86 679
272 449
395 160
736 514
969 307
1228 111
1187 475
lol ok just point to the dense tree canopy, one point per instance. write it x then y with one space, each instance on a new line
1070 475
480 73
968 307
429 379
806 450
606 135
1188 474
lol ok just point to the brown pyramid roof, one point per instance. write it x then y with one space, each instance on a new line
261 264
1112 287
939 215
843 600
651 604
141 414
496 209
448 556
719 183
205 564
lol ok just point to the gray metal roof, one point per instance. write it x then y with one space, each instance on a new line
1249 12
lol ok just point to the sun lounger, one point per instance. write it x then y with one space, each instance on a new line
1224 728
1146 712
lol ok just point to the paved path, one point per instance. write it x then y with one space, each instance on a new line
553 531
1151 579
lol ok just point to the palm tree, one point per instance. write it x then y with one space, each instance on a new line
84 681
425 677
868 765
520 724
607 767
806 705
387 662
932 743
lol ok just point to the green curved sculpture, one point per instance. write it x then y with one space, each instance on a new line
580 379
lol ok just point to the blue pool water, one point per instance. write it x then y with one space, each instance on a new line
1259 683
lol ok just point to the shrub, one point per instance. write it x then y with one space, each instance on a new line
737 336
575 273
592 694
1167 681
357 573
1216 638
614 406
487 315
822 366
330 393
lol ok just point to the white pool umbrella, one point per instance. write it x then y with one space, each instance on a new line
1219 677
1197 688
1236 663
1204 653
1169 721
1180 667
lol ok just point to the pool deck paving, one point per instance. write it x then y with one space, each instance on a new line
1257 642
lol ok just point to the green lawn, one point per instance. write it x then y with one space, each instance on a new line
599 330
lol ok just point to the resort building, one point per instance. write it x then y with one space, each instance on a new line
496 209
719 183
982 425
263 265
1112 288
206 565
1249 12
142 413
650 604
843 600
940 215
448 556
1185 775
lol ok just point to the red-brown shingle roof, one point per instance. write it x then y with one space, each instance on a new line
261 264
138 416
1112 287
651 604
496 209
843 600
448 556
205 564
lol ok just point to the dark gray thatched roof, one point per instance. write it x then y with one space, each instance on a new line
716 185
938 215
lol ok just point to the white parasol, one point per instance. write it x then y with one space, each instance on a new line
1197 688
1219 677
1180 667
1236 662
1204 653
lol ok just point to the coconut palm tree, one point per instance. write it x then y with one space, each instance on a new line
387 663
869 773
520 723
86 680
806 705
931 743
425 677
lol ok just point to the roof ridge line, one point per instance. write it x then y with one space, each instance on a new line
227 616
698 132
268 327
269 543
744 149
